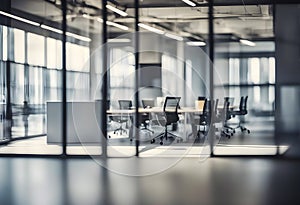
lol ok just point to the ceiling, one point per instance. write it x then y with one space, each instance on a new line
253 21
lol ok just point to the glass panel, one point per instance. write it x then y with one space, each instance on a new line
3 132
84 69
245 63
26 46
121 71
173 45
287 77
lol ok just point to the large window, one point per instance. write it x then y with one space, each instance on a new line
19 47
36 86
54 50
4 42
77 57
36 49
121 74
17 83
254 77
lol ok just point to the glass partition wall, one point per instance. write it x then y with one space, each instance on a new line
30 73
245 58
99 51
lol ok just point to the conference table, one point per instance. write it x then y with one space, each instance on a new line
153 110
186 112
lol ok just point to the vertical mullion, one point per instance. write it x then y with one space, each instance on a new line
64 79
211 67
103 125
136 93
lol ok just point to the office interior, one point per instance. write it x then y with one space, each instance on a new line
224 49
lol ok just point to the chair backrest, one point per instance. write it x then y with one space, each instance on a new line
207 112
171 109
229 99
125 104
206 106
201 98
241 107
216 106
244 106
148 103
225 112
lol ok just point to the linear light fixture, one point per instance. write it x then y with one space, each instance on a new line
247 42
45 26
87 16
150 28
173 36
82 38
118 11
196 43
119 40
19 18
191 3
51 29
110 23
117 25
99 20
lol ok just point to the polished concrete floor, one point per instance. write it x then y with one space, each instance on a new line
232 181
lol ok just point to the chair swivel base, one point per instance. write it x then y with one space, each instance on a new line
120 130
147 129
243 129
166 135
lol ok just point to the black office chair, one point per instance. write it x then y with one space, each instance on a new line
145 117
123 105
205 118
229 99
148 103
170 116
224 116
199 120
241 112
